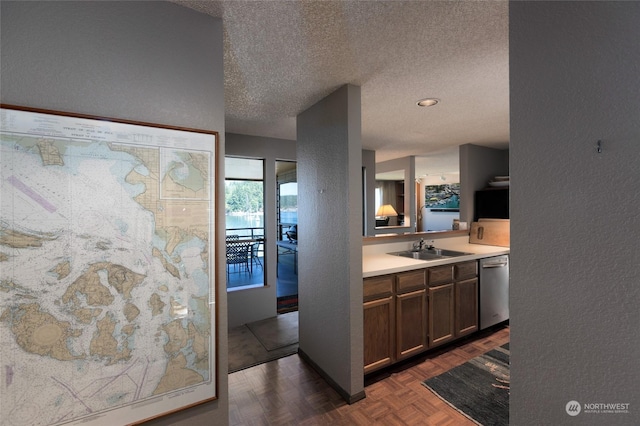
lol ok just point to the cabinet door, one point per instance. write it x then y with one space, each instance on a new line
466 307
411 323
379 333
441 314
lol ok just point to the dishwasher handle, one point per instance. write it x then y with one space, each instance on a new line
494 265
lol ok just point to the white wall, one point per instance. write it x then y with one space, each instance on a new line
575 263
329 155
438 221
254 304
145 61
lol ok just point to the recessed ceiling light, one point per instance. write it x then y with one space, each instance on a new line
428 102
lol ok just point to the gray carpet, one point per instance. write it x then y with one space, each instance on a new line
263 341
479 388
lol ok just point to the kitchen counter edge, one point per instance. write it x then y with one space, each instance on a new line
382 263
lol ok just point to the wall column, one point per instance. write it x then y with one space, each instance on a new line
329 155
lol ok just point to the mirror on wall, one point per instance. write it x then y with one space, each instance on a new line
390 199
400 184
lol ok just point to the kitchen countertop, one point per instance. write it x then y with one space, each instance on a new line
376 261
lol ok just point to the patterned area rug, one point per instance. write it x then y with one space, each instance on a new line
479 388
287 303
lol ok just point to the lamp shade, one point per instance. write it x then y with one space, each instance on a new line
386 210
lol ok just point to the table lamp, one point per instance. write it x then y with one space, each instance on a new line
386 210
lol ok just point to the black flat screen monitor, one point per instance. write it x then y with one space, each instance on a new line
491 204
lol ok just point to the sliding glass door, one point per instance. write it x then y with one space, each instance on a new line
287 237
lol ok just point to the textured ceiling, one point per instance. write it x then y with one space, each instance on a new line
281 57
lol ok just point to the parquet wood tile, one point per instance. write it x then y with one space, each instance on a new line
289 392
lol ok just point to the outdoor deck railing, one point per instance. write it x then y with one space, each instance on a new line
258 232
252 233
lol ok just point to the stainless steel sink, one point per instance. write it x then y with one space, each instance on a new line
429 254
446 253
417 254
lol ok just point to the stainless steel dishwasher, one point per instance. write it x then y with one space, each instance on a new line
494 290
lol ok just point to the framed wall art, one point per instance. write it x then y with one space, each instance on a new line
107 268
442 197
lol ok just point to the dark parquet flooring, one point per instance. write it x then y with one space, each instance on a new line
289 392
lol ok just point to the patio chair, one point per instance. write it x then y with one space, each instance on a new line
254 254
238 254
292 233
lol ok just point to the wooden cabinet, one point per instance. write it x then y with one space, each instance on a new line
411 314
379 322
453 301
441 305
466 307
441 318
465 270
440 275
466 293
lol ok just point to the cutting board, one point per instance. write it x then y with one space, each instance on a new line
493 232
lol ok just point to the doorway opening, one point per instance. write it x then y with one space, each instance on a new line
287 236
271 338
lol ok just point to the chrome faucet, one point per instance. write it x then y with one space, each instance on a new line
423 245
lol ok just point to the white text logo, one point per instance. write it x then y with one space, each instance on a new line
573 408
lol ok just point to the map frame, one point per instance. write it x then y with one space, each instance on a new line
203 144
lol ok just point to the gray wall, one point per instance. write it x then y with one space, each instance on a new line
575 263
330 219
478 165
369 202
146 61
259 303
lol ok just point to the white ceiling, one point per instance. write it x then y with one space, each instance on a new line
281 57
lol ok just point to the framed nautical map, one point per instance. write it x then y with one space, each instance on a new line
107 269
